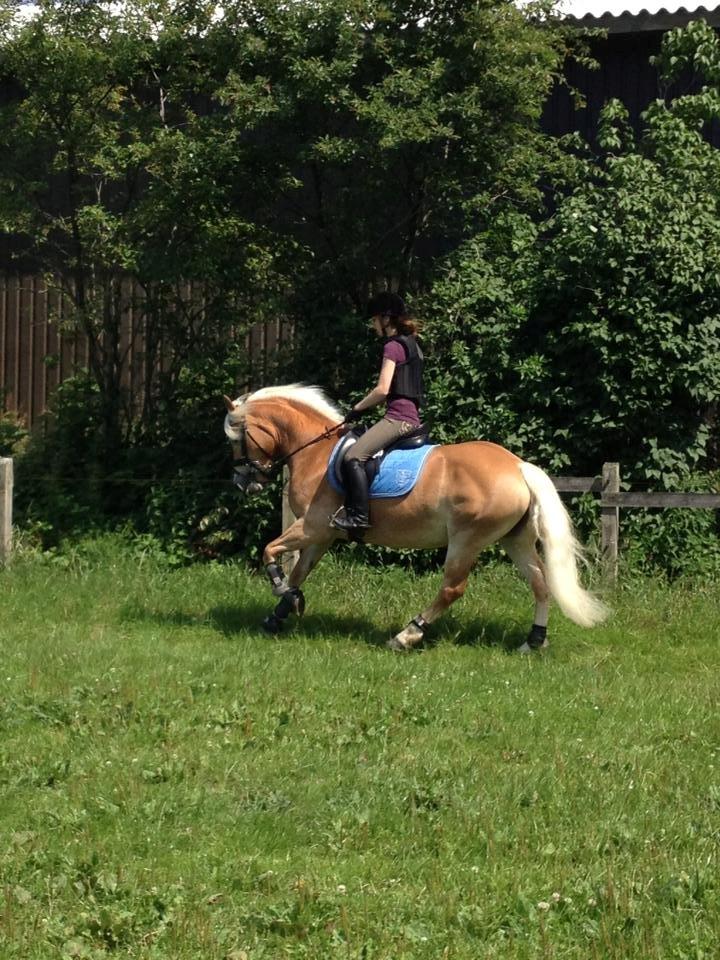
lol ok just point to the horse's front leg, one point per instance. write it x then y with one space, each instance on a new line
292 599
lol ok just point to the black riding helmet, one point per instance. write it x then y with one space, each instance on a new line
386 304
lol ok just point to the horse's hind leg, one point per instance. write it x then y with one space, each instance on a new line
520 547
458 564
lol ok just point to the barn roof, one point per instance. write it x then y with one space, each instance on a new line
633 16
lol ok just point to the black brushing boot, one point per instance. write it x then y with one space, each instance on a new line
356 499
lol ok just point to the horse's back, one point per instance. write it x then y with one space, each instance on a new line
482 470
473 486
483 452
478 462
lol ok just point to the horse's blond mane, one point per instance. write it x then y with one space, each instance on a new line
312 397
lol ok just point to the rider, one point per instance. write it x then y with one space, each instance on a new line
400 384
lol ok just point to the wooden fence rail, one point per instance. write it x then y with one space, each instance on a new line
611 501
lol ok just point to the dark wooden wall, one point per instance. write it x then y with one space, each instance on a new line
39 349
34 356
624 74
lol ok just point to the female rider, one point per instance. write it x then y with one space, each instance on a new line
400 384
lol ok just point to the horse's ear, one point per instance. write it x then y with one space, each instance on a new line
230 406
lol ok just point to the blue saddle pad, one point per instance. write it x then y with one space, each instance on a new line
399 471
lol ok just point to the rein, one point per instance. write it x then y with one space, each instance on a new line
275 465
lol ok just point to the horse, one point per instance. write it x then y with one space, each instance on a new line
468 496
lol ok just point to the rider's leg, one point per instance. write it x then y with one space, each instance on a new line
357 496
379 436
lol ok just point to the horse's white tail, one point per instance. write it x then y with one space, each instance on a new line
561 550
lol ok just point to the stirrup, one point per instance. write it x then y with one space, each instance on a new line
349 523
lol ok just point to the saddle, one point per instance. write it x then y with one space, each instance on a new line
409 453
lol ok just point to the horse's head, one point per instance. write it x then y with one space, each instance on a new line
253 466
269 427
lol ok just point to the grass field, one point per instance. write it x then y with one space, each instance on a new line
176 784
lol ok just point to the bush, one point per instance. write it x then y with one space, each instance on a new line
485 378
13 435
59 478
586 334
172 483
676 542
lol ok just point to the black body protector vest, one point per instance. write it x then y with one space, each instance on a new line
407 379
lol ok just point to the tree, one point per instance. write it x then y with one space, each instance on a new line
281 158
403 126
116 169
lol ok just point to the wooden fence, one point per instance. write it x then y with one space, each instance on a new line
39 347
35 354
606 486
612 499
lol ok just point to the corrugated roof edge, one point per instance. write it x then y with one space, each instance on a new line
627 22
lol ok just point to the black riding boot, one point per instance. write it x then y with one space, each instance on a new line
356 499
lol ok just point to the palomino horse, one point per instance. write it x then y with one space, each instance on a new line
469 495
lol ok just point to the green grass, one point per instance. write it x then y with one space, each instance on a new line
176 784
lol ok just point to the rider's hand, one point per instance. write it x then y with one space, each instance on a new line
352 416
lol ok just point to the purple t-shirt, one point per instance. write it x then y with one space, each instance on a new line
401 408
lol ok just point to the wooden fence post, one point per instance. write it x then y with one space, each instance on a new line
6 503
290 558
610 519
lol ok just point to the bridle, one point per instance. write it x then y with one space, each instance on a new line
245 464
244 460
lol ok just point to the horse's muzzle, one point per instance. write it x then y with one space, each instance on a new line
246 480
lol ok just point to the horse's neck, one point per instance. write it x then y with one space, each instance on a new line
308 465
297 428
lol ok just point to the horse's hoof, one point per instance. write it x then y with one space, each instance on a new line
526 649
297 599
397 645
536 639
272 624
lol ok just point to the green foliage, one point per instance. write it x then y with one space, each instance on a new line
13 434
692 50
482 370
279 155
285 159
112 170
401 127
59 481
176 491
675 543
629 302
593 335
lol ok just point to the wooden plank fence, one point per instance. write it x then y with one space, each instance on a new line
607 486
612 499
40 347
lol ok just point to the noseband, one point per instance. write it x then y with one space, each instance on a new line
244 459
